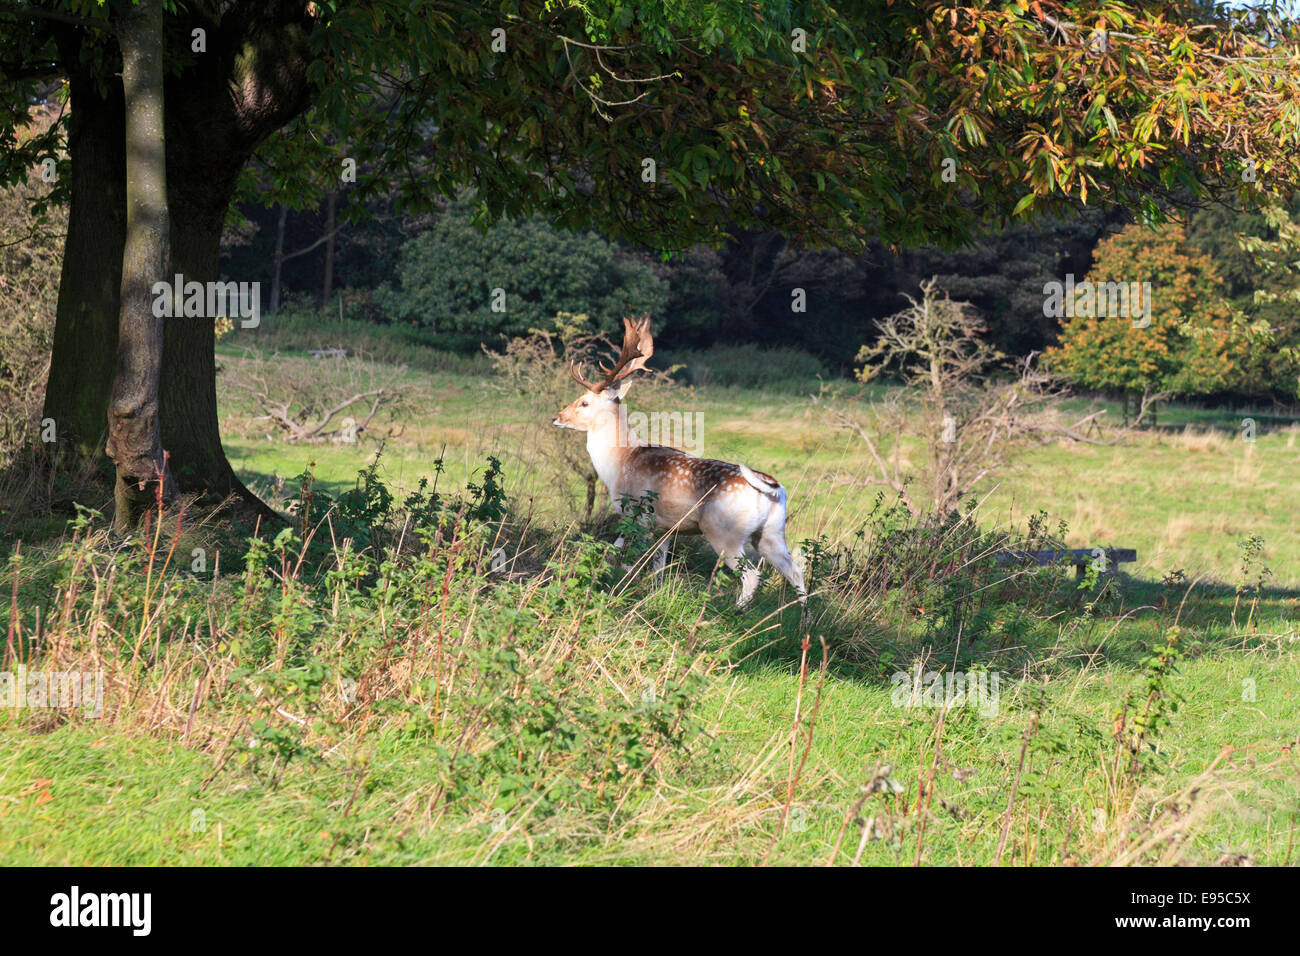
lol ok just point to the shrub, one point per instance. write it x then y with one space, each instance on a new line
355 624
943 583
970 418
448 275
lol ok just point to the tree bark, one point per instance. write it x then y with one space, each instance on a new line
190 428
279 259
331 215
85 331
134 441
216 119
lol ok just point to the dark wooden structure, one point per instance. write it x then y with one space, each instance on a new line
1081 558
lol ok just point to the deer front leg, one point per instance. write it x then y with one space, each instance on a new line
661 555
621 544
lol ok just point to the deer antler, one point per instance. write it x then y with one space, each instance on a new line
576 372
638 346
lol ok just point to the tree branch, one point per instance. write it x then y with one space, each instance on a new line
23 10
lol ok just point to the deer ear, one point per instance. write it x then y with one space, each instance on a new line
620 389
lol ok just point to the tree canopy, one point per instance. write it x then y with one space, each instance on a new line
907 122
666 123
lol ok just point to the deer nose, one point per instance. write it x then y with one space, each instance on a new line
556 422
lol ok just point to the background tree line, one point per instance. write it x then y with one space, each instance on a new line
432 276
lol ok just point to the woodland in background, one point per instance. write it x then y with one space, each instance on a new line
427 275
422 277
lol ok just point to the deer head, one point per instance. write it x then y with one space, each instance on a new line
599 402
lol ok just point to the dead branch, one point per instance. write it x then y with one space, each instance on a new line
968 416
888 478
299 402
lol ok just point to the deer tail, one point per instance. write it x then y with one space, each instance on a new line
763 483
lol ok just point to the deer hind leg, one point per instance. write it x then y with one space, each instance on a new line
771 545
661 556
749 574
732 548
749 579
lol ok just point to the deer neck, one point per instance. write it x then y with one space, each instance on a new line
608 444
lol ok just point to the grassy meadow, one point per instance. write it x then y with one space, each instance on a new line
461 671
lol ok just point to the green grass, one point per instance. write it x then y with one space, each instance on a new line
507 719
131 800
1184 495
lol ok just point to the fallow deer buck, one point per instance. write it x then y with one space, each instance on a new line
740 512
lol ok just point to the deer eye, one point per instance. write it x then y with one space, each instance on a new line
585 403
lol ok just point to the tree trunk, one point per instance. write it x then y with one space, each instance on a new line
211 135
327 283
279 259
85 330
203 170
190 428
134 442
251 82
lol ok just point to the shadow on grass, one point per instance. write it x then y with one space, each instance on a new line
1116 623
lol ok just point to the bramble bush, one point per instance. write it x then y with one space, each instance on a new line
30 261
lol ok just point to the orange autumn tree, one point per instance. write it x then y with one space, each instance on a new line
1174 333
